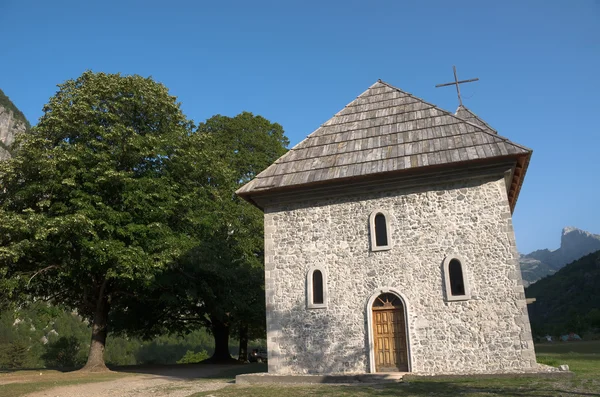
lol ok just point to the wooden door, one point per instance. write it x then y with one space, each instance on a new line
389 334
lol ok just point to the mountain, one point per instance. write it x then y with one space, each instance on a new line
569 300
12 123
574 244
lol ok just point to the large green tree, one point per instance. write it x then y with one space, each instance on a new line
233 258
91 207
220 283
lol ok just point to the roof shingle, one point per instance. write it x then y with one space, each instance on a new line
384 129
468 115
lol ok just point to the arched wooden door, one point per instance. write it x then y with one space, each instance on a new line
389 334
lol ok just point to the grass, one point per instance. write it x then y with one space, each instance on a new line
583 359
20 383
230 374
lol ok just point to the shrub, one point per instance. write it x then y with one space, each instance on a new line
62 353
191 357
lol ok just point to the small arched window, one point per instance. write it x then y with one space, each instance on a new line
381 238
457 285
316 288
455 277
379 227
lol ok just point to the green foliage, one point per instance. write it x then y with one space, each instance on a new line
167 349
569 300
63 353
20 344
116 208
6 103
90 211
593 318
191 357
13 355
67 336
218 284
222 283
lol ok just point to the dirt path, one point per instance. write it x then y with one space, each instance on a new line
157 382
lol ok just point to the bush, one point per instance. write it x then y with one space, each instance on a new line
62 353
191 358
13 355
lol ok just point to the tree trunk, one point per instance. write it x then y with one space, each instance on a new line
243 356
95 360
220 332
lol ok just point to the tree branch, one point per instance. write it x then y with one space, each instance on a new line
40 271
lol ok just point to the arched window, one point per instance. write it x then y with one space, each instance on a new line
379 227
381 238
316 288
457 285
455 279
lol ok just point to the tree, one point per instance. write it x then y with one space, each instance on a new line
89 206
14 355
229 259
219 284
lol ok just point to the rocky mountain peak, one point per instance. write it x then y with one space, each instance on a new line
571 230
574 244
12 123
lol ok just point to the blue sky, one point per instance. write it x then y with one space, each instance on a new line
299 62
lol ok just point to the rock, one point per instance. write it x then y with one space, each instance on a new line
563 367
12 123
574 244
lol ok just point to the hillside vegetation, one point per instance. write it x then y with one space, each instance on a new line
569 300
47 336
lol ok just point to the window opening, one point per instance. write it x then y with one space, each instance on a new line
387 301
317 285
381 238
457 285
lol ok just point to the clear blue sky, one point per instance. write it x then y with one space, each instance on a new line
299 62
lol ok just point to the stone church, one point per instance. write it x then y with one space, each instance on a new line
389 244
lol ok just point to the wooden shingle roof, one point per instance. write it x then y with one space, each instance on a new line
384 130
468 115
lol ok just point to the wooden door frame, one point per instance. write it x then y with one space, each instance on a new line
369 312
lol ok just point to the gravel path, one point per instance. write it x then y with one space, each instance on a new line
172 382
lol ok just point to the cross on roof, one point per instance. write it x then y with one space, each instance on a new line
456 82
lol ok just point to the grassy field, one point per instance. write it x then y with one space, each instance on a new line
583 359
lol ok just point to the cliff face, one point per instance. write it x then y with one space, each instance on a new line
12 123
574 244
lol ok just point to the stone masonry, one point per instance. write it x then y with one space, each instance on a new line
470 218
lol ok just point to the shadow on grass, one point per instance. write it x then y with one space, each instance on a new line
193 371
24 370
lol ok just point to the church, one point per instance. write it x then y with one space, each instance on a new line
389 244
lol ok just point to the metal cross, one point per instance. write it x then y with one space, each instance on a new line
456 82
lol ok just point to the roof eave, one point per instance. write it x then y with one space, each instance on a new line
249 195
518 178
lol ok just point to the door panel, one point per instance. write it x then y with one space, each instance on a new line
390 340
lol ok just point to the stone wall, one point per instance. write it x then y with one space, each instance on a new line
488 333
